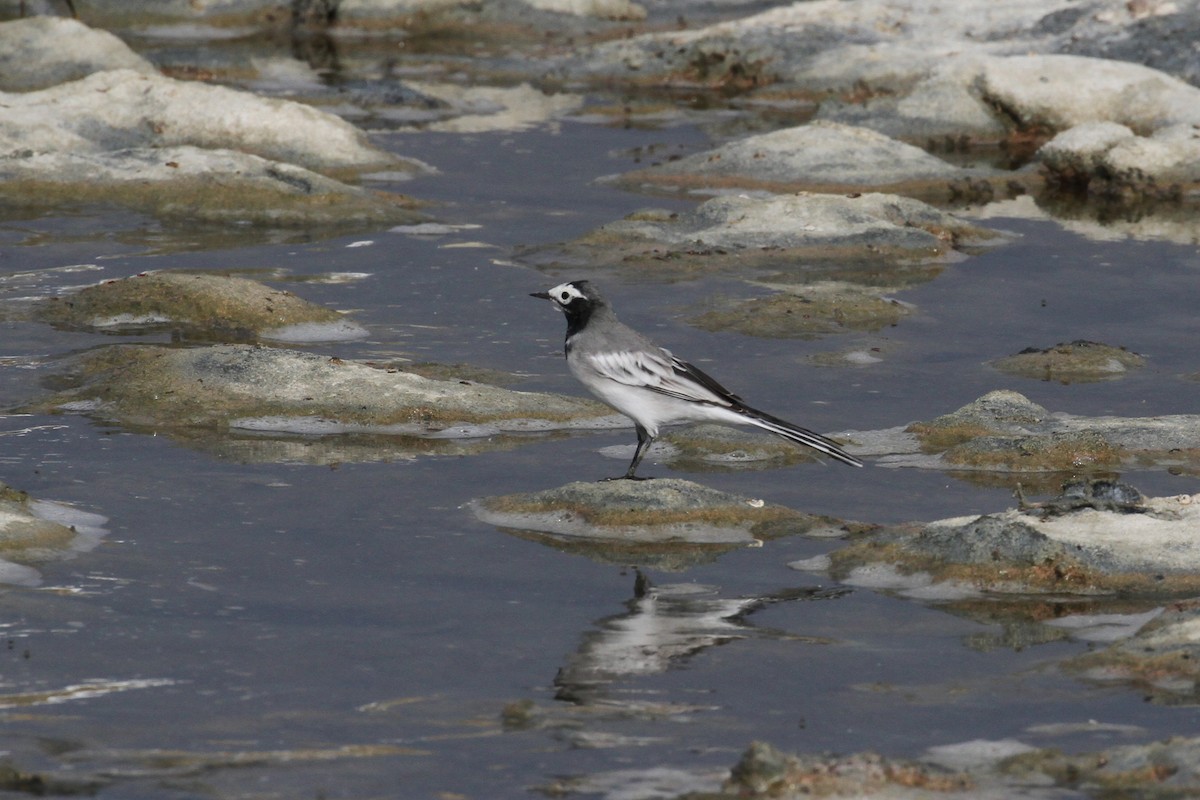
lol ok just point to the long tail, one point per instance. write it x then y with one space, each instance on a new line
796 434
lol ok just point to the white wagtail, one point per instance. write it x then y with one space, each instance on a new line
648 384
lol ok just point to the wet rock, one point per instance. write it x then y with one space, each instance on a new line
1163 768
1004 431
804 311
1079 361
34 532
123 109
820 157
976 769
1101 494
267 390
189 150
764 771
1092 549
188 184
32 55
1162 659
742 232
944 109
1109 161
711 446
1058 92
1144 33
200 305
478 109
672 522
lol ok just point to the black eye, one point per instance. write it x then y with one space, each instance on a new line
565 296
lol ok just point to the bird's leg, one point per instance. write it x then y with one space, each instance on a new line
644 442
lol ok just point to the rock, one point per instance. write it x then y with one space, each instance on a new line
805 311
223 187
201 305
1110 161
1004 431
33 532
1091 549
1058 92
1161 768
1079 361
711 446
943 110
187 150
245 388
32 55
667 520
819 157
123 109
742 232
764 772
1145 32
975 769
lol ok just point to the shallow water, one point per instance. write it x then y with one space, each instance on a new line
278 613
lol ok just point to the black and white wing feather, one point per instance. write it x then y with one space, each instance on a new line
661 372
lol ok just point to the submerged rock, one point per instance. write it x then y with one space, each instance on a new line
33 532
828 307
670 521
202 305
262 389
1079 361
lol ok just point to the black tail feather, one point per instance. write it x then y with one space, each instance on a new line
799 435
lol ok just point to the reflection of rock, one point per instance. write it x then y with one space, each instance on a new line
662 521
1161 660
283 391
662 626
202 305
32 532
1079 361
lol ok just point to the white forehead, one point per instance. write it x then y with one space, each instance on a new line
564 293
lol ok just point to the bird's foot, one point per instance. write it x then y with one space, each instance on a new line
625 478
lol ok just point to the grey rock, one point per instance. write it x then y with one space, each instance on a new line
227 388
32 55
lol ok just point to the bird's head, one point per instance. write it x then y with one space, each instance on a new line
577 299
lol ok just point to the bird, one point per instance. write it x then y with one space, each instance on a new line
648 384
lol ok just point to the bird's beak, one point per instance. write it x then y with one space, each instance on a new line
540 295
